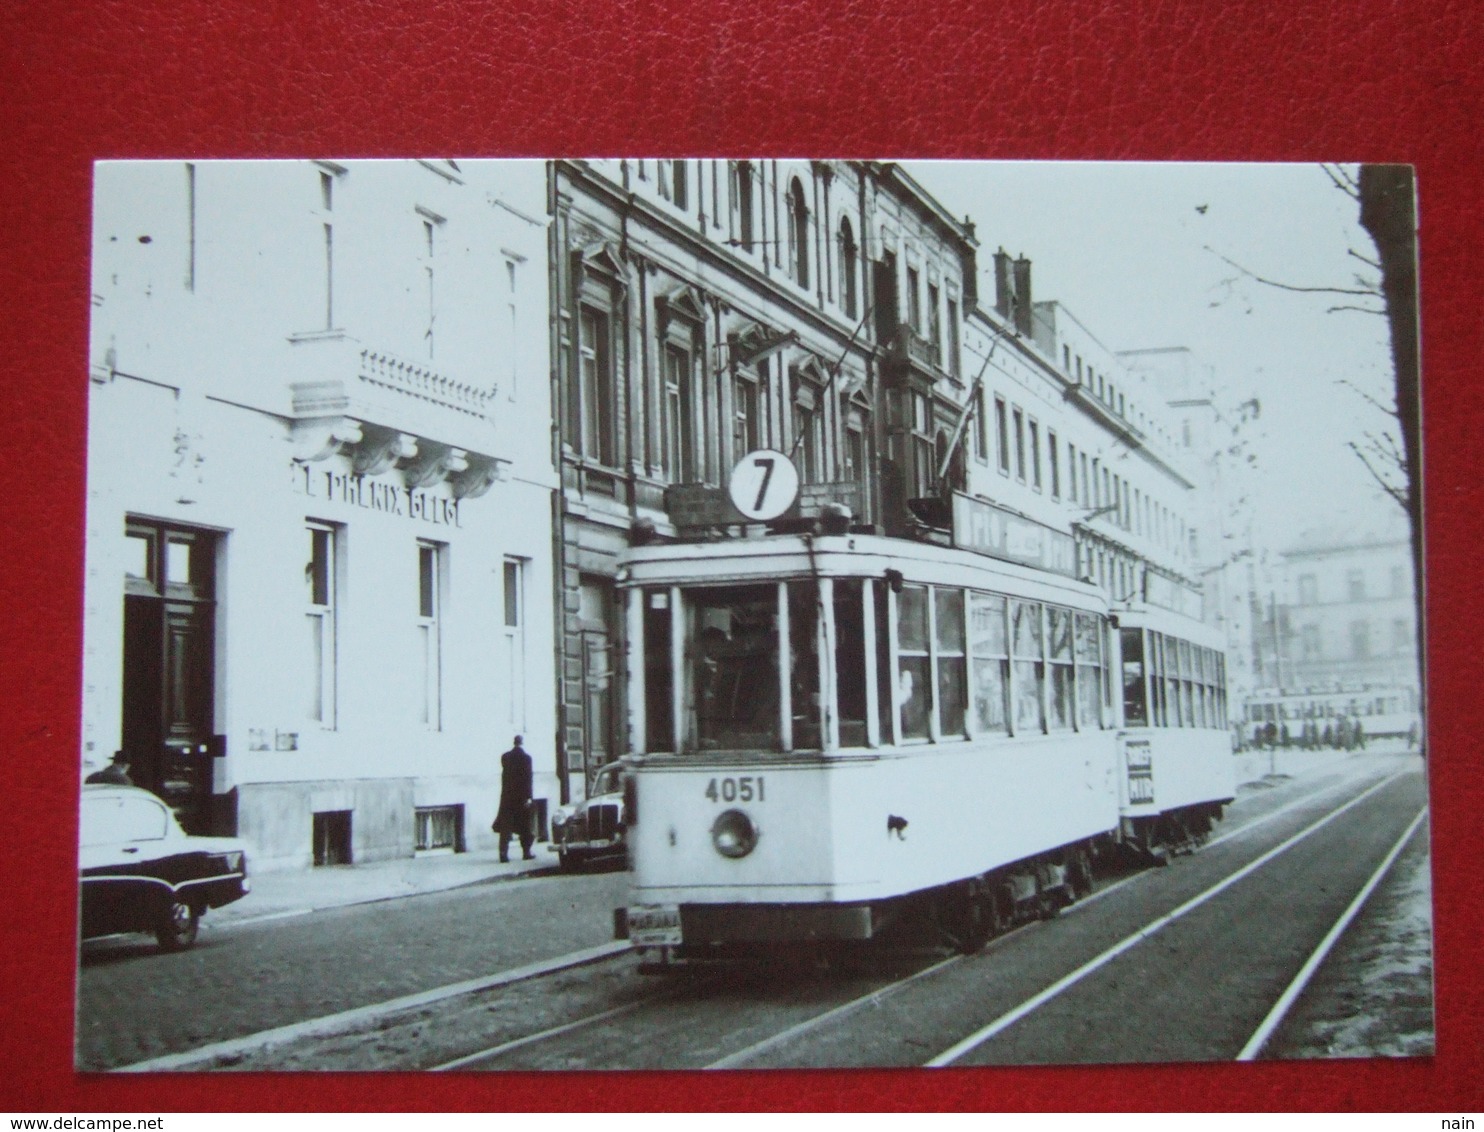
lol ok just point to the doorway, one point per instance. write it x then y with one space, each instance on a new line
169 666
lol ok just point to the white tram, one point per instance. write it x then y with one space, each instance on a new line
827 731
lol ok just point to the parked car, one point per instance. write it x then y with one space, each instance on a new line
593 829
140 872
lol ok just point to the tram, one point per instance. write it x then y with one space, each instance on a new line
1383 711
828 732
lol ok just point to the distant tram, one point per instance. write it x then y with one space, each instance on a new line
1384 711
829 732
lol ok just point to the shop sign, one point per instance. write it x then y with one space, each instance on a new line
991 530
376 495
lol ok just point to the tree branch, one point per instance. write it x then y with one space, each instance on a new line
1368 262
1389 410
1342 180
1368 292
1398 495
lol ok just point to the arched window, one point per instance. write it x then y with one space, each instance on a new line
848 268
798 232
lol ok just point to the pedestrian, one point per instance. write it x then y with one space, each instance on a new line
116 773
513 819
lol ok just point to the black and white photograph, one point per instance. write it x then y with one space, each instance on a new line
767 613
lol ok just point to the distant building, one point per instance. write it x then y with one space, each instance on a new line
1346 614
319 507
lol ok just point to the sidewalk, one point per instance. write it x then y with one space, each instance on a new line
295 892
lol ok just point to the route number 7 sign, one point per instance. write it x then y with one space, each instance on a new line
764 484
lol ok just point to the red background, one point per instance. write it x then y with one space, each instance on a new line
1368 80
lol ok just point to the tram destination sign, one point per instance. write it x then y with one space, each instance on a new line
986 529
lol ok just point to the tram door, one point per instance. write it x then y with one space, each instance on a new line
168 659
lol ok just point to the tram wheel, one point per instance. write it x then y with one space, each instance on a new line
1079 873
974 916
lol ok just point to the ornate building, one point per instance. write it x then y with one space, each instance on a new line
319 519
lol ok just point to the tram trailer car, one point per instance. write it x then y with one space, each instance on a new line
865 727
1175 748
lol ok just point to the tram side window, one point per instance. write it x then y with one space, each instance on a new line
1089 680
803 654
658 693
1168 702
1135 708
914 665
948 627
1059 655
1029 665
733 653
850 660
991 662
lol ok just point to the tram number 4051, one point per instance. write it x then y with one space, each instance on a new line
743 789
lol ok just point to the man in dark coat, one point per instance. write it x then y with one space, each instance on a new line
514 815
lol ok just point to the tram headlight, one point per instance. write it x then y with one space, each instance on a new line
733 834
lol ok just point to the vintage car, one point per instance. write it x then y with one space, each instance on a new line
140 872
593 829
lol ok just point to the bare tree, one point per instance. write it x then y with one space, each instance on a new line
1386 196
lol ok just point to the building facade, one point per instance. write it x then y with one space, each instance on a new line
703 310
830 311
1346 615
319 519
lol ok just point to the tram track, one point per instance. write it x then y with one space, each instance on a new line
683 1017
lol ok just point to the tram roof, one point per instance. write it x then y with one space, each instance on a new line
784 557
1141 615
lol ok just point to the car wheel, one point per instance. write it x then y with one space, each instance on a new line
177 926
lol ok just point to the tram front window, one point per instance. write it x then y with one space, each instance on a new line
733 650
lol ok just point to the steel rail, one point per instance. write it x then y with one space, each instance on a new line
1264 1032
346 1020
1036 1001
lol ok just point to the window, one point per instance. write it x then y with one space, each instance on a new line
596 408
115 819
1135 705
1309 642
1308 589
1059 657
679 194
679 450
515 640
1355 585
950 661
1019 445
849 268
914 662
798 232
747 433
321 583
1401 635
1087 652
980 427
327 224
935 324
1028 665
1071 473
953 358
431 564
991 660
438 829
732 664
512 323
914 300
742 184
429 261
1053 460
1360 640
1002 433
1035 433
924 466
